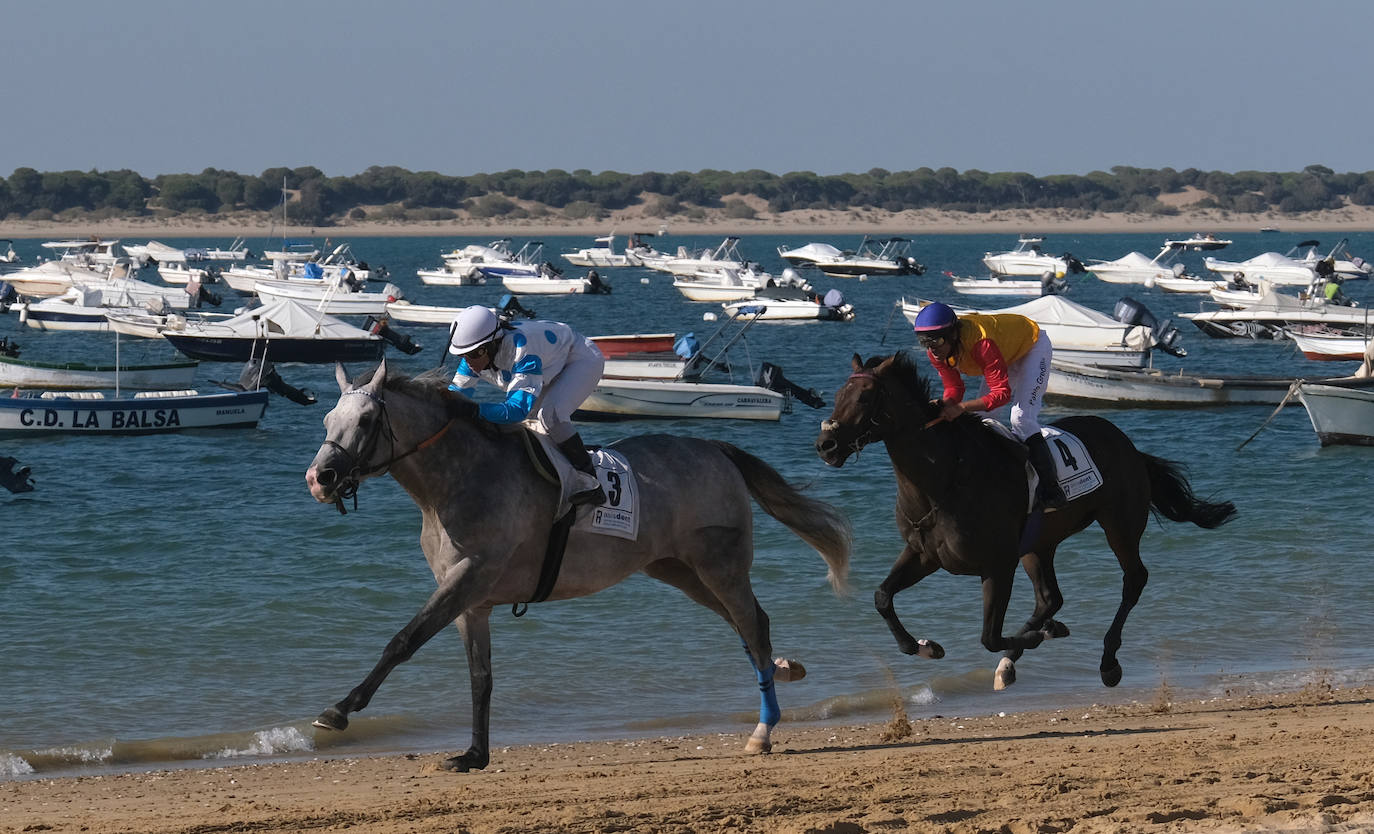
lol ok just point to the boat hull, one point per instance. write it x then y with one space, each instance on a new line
1084 385
21 373
529 285
641 398
703 291
1340 416
28 416
281 349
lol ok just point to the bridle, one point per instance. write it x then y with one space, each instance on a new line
877 418
348 485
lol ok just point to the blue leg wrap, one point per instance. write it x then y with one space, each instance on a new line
769 711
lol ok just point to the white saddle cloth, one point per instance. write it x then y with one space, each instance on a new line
619 516
1078 473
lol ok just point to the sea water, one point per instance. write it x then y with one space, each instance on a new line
181 599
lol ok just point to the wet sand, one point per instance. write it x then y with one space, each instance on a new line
1300 761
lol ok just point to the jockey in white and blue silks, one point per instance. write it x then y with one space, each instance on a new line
546 369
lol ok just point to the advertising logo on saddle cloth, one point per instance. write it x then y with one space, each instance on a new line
619 516
1078 474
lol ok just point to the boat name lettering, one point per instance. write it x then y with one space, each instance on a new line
754 401
222 411
142 418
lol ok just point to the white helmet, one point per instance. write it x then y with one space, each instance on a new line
474 327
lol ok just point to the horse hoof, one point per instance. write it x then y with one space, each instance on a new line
785 670
331 719
1055 630
929 649
758 746
1112 676
1005 675
464 762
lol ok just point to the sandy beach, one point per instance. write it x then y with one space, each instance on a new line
1295 762
857 222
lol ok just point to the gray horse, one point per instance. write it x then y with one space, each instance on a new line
487 515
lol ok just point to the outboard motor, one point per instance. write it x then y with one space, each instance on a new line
8 348
15 480
1075 266
509 307
1163 333
595 286
396 339
259 373
916 267
8 295
199 294
770 377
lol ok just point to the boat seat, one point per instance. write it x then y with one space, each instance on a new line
185 392
72 395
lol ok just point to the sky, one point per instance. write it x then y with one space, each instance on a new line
467 86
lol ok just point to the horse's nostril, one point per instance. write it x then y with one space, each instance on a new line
326 477
825 445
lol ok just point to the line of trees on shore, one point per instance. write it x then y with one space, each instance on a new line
392 193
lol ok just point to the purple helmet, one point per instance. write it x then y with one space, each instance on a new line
934 316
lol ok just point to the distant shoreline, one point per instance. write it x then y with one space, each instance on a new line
803 222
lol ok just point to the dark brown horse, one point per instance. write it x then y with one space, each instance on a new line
962 499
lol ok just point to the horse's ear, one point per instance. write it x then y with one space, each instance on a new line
885 363
341 376
378 377
857 362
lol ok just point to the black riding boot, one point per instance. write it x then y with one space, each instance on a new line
1048 495
585 491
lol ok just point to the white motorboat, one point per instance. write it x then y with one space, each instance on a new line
553 282
691 393
1135 268
24 373
1081 334
83 306
452 276
665 398
527 263
810 254
793 304
1328 345
237 250
1199 243
243 278
293 251
135 321
51 278
460 265
181 273
1267 317
600 254
725 256
885 257
94 253
997 285
330 296
1154 388
402 311
1028 259
725 284
1339 415
642 253
1271 266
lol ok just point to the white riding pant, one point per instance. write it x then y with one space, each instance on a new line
562 395
1029 377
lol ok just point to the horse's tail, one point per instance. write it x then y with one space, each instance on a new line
1172 496
819 524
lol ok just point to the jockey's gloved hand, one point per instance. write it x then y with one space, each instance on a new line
458 405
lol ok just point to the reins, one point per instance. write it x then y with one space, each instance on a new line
356 473
858 443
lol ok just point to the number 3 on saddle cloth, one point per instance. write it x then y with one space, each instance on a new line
619 516
1078 474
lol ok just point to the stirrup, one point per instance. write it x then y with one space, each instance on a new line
595 497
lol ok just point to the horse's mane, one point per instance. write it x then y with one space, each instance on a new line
906 371
428 386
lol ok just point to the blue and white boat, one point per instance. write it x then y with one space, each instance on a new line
147 412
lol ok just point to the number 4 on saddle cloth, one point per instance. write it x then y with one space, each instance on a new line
1078 474
619 516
